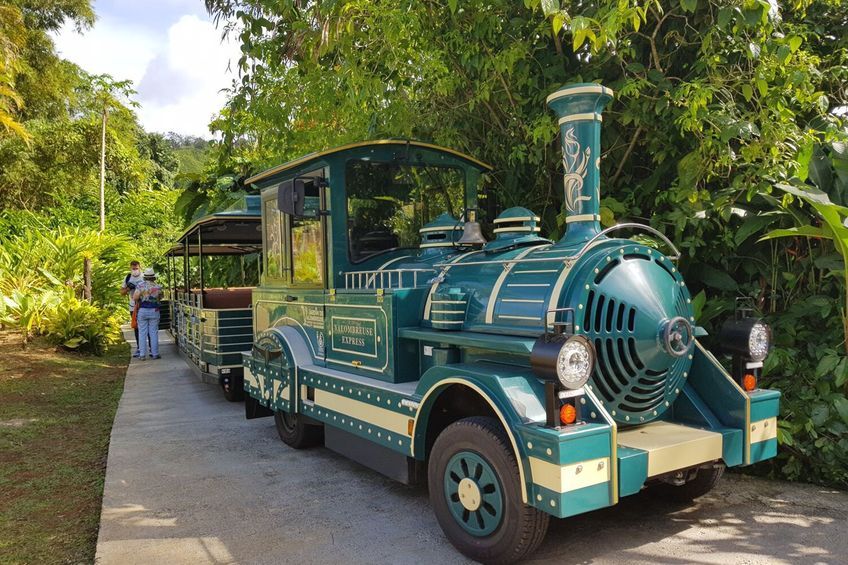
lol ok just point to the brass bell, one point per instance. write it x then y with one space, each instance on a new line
472 234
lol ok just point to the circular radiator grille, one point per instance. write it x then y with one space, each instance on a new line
624 307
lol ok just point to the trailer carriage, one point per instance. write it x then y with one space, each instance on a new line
213 268
521 378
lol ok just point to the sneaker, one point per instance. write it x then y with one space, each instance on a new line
136 355
155 356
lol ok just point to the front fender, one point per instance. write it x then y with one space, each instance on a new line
271 367
514 394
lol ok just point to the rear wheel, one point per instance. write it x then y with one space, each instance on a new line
475 490
702 483
295 432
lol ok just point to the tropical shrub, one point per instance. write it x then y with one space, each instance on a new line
27 311
812 375
41 282
79 325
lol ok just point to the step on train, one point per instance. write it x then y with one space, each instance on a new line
519 378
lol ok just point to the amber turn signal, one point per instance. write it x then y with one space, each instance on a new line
567 414
749 382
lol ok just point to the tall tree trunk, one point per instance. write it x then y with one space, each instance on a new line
86 279
103 172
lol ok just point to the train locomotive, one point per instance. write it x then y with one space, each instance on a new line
520 378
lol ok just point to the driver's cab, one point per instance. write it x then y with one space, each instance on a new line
358 207
355 221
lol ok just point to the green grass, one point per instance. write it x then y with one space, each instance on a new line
56 413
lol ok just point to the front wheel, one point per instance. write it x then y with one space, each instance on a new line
475 491
295 432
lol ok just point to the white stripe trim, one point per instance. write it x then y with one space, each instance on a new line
591 116
493 298
567 478
395 260
537 272
582 218
591 89
509 317
522 300
763 430
552 304
517 219
375 415
435 285
530 284
442 228
423 245
517 229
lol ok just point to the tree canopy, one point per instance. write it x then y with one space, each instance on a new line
718 104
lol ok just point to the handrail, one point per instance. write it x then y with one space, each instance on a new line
363 280
570 258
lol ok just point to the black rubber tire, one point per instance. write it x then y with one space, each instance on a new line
295 432
523 527
234 392
704 482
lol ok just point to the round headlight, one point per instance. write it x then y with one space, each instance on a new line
759 341
748 337
575 362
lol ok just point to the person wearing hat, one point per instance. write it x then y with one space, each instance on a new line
128 288
148 293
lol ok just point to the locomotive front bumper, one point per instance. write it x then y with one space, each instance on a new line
579 468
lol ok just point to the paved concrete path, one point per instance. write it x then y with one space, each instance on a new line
189 480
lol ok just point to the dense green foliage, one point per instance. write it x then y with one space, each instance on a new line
718 105
49 183
41 282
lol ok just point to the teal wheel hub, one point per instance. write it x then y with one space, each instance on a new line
474 494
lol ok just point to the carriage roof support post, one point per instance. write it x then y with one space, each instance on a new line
174 271
186 281
200 264
168 272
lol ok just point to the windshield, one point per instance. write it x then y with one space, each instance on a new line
387 203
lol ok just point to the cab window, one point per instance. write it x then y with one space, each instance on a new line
273 240
307 240
387 203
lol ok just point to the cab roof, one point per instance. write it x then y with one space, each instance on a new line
268 173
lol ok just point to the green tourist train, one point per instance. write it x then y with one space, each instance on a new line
520 378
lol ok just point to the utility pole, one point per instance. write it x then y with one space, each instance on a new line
103 170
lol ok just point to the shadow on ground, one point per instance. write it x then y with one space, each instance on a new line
189 480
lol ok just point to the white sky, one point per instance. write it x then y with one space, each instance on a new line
171 51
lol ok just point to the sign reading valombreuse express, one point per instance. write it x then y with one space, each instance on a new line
357 336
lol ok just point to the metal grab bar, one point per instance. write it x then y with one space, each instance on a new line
570 258
634 225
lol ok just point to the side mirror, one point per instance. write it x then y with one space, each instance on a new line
290 197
